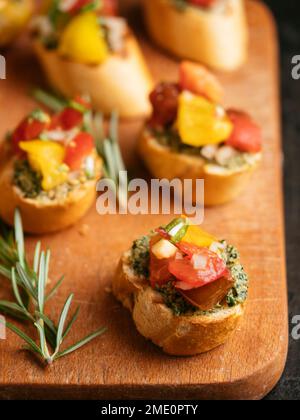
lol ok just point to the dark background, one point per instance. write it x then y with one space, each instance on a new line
287 14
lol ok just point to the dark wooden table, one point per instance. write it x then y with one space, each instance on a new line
287 14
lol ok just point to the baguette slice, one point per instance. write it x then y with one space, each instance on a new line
185 335
39 217
14 16
221 185
121 83
217 38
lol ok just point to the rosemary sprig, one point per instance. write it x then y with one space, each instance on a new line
29 290
51 101
107 144
108 148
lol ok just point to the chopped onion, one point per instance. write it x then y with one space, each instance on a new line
224 154
209 151
66 5
61 135
117 28
199 261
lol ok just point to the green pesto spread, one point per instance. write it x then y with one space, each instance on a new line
140 256
171 139
27 180
140 262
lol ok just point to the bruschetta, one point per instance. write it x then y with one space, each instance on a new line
213 32
49 169
85 48
13 17
191 136
185 288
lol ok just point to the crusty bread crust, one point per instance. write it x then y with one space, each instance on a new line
217 39
177 335
14 20
220 187
39 217
121 83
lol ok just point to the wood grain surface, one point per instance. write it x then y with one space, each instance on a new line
122 364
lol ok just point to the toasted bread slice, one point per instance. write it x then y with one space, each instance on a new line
184 335
217 37
122 83
43 217
221 185
14 16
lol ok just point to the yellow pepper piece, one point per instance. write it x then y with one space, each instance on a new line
196 236
13 17
47 157
83 40
199 123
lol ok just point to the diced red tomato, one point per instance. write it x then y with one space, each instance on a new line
202 3
79 148
70 117
159 269
164 100
163 233
109 8
188 249
198 80
29 129
73 6
83 102
67 119
199 268
246 135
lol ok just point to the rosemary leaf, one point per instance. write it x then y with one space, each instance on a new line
72 321
109 160
19 238
50 101
54 289
14 310
98 127
27 283
24 336
5 272
16 289
50 329
113 127
62 321
80 343
48 322
44 348
41 283
36 260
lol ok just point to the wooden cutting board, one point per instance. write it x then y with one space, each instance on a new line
122 364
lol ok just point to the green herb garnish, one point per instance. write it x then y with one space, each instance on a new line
177 229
